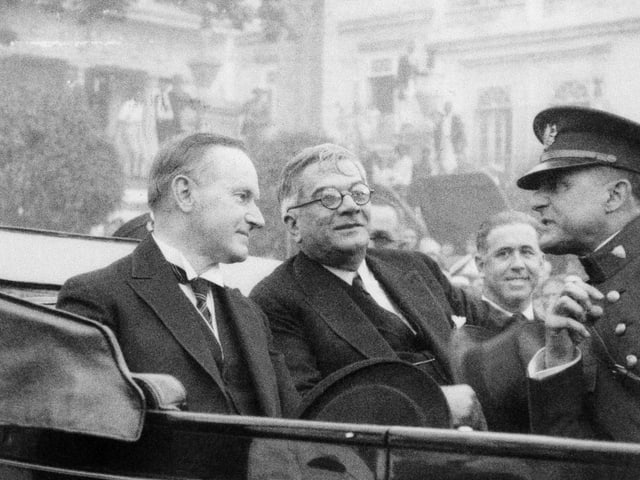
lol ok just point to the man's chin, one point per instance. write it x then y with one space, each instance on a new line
556 248
237 257
553 245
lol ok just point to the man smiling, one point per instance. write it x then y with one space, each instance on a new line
494 362
336 302
510 261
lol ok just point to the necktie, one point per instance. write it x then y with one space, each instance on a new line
201 289
374 310
403 339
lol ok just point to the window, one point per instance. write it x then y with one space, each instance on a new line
573 92
494 124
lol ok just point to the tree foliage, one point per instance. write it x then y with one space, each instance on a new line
270 157
278 16
56 171
84 11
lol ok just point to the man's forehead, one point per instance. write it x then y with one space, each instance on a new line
512 234
344 166
330 170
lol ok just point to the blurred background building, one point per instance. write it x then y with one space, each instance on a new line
419 88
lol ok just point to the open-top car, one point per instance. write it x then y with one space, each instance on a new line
70 407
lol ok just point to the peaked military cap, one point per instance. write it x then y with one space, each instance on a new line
579 137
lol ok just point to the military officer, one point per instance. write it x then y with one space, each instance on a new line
587 193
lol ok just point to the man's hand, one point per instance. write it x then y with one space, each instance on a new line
465 408
565 323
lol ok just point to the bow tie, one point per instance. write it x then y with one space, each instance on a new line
200 287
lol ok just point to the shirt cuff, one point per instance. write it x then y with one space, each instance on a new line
536 369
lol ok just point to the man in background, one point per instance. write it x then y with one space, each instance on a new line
494 362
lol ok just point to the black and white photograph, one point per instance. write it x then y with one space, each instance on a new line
319 239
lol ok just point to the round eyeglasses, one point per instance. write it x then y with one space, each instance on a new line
332 198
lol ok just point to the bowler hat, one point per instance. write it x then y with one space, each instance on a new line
378 391
580 137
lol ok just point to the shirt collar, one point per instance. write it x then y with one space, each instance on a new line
527 312
348 275
175 256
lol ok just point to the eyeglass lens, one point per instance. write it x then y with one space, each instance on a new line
332 198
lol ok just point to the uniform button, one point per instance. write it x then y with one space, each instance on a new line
613 296
620 329
632 361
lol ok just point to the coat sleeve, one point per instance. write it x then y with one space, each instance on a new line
559 405
289 397
494 364
80 296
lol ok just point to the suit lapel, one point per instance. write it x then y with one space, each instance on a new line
332 303
253 341
413 296
153 280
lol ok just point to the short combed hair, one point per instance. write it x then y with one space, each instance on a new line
182 155
328 153
506 217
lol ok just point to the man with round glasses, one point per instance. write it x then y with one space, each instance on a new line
336 303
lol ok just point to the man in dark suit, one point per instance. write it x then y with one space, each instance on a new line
587 192
166 302
336 303
493 361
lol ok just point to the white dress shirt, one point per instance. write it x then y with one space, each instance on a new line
213 275
373 288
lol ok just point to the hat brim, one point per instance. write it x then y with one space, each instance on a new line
532 179
381 392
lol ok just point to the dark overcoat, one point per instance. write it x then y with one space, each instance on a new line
160 331
320 329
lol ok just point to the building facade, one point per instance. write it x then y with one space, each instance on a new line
495 62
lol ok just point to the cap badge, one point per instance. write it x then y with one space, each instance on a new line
550 132
619 252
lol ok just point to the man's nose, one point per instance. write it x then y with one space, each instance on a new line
539 201
517 261
348 203
254 217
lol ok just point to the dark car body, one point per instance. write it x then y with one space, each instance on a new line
69 408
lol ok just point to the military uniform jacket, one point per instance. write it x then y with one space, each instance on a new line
319 328
159 331
600 396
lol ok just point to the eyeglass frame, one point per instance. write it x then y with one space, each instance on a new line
342 195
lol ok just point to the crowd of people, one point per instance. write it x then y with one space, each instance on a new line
521 350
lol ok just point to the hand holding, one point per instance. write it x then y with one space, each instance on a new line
565 323
466 411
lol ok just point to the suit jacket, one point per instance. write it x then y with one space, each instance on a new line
588 399
494 362
320 329
159 330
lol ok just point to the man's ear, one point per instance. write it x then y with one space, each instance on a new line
291 222
182 190
619 192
